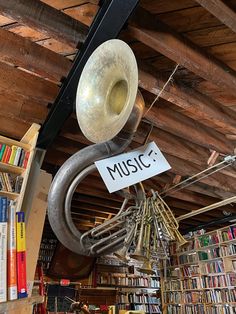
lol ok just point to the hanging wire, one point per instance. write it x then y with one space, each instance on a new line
163 88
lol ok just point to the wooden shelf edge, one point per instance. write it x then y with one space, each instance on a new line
11 305
11 195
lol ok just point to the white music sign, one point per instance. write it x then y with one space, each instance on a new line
129 168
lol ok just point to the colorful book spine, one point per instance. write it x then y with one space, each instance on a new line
2 151
13 154
3 249
21 255
11 257
25 162
17 156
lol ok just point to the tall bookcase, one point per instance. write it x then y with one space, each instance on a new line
134 290
15 169
27 144
201 278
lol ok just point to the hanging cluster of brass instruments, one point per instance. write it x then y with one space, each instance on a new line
109 108
144 230
154 226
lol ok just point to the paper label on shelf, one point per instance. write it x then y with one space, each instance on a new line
129 168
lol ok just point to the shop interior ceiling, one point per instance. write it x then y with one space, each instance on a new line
193 121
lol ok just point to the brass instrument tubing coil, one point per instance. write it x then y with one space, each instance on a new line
83 161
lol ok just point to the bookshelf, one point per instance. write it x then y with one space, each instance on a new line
201 277
11 169
134 290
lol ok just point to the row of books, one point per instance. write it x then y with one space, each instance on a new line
209 254
172 285
206 240
12 252
212 267
190 270
141 307
228 234
207 296
124 297
228 250
14 155
138 307
172 297
9 182
154 308
220 296
194 308
216 252
191 283
173 309
192 297
188 258
199 309
111 279
208 267
221 309
218 281
215 281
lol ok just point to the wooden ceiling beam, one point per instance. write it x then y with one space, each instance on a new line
175 123
94 208
204 189
221 11
21 83
87 213
192 197
97 201
26 54
45 19
18 106
188 101
149 30
173 145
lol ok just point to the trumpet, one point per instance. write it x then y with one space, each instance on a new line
168 218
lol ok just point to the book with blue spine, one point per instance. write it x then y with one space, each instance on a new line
3 248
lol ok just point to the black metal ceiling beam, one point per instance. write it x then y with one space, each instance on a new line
107 24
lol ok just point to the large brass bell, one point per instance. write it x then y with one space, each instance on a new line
106 91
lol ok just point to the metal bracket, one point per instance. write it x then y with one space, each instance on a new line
106 25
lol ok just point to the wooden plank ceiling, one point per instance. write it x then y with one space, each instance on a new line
195 115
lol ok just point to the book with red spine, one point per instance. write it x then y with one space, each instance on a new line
21 255
5 154
8 155
25 162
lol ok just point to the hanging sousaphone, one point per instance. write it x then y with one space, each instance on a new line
108 109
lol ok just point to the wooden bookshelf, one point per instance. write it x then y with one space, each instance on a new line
134 291
28 143
33 235
204 278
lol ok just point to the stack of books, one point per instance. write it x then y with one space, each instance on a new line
229 234
14 155
12 252
10 182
